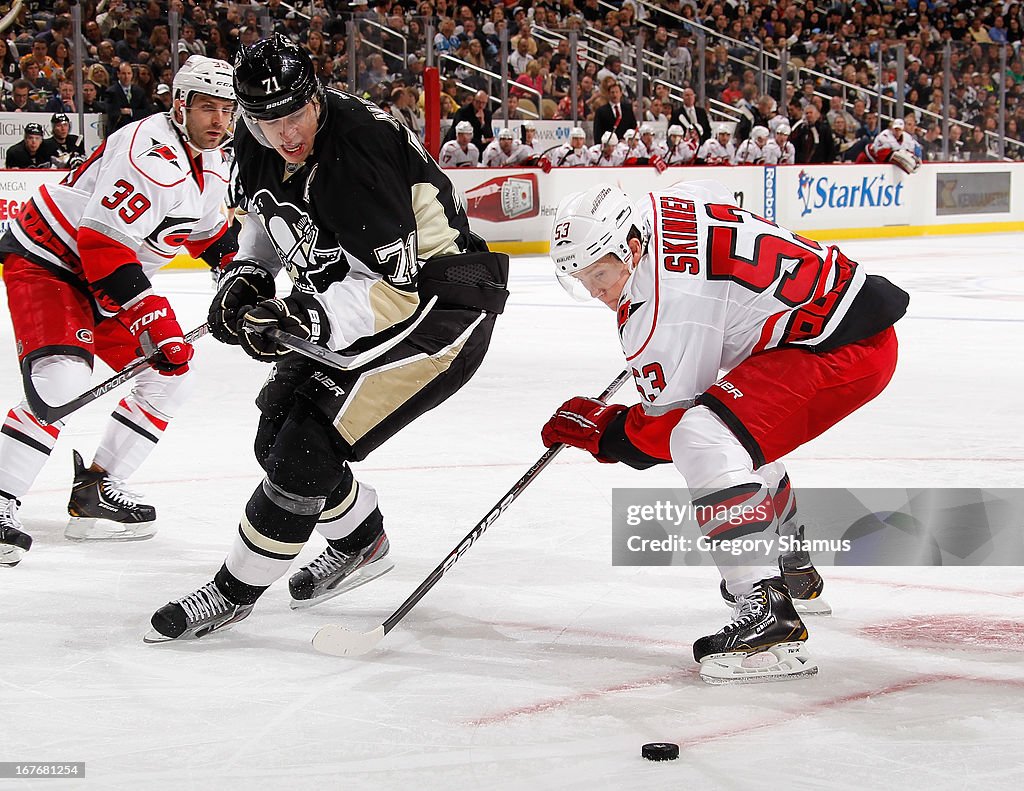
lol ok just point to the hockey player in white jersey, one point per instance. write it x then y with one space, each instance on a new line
778 150
575 153
607 153
751 150
632 147
697 288
523 151
499 151
652 146
682 145
893 145
717 149
78 262
460 152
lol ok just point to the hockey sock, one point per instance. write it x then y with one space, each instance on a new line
740 523
272 531
25 445
346 513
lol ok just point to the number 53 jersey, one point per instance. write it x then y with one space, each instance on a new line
140 191
717 284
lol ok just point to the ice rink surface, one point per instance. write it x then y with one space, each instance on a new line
533 663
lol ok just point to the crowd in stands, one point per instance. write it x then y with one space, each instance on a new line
851 48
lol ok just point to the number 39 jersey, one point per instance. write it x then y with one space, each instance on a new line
140 190
717 284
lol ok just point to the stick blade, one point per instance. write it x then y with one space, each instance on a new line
339 641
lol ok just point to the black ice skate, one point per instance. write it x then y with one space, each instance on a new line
764 642
14 541
335 572
802 579
195 615
103 509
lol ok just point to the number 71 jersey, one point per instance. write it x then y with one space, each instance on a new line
141 189
717 284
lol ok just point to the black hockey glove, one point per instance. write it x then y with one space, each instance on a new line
300 315
242 285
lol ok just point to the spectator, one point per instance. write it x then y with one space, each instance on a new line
520 58
128 48
690 115
64 100
125 101
812 138
26 153
478 114
19 101
192 44
91 103
40 88
40 55
10 69
533 78
402 108
163 99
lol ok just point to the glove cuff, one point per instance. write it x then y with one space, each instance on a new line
308 310
257 275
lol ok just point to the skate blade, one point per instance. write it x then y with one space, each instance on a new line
10 555
816 606
360 576
781 662
81 529
153 636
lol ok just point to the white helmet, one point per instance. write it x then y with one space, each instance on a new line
506 134
629 134
609 139
647 129
759 133
676 131
723 129
463 128
588 226
200 74
783 129
577 131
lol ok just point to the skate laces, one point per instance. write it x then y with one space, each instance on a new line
329 561
206 602
9 514
748 608
116 490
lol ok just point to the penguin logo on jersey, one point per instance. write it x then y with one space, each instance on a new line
296 238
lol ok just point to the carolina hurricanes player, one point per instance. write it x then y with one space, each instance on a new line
607 153
460 152
499 151
893 145
653 147
682 145
805 336
778 150
575 153
717 150
77 265
751 150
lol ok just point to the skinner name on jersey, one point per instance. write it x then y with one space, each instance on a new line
677 229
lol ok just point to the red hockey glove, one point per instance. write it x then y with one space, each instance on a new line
544 164
151 320
658 163
580 422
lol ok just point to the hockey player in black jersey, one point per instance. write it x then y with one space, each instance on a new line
374 238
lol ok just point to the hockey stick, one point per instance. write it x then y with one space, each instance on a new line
51 414
338 641
345 362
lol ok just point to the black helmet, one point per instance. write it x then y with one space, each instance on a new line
274 78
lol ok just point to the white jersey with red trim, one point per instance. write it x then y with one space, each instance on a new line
716 284
140 189
568 157
712 152
749 153
452 155
887 141
774 154
494 157
606 158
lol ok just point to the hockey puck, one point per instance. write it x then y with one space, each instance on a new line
660 751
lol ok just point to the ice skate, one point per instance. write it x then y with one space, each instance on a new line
193 616
14 541
103 509
802 579
764 641
335 572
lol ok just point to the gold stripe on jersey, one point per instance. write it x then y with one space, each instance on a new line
257 539
390 305
434 236
379 393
